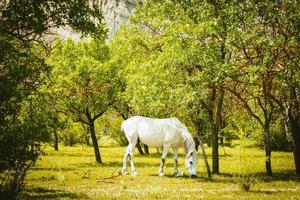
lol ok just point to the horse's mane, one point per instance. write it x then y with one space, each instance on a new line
189 144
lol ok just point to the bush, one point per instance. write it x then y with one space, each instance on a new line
12 179
110 125
278 139
247 181
114 132
20 146
71 136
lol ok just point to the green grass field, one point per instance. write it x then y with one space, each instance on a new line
71 173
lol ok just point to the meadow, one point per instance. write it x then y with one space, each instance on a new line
72 173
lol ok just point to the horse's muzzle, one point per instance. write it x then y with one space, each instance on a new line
193 176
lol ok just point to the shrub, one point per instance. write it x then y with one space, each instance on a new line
20 146
110 125
12 179
246 182
278 139
70 137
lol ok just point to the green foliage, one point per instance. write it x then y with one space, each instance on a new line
279 141
110 125
72 135
22 128
21 144
25 119
21 69
82 83
205 60
27 20
171 61
80 80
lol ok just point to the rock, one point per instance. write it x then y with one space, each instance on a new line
116 13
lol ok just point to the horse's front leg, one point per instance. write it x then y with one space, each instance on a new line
175 162
163 159
131 155
126 155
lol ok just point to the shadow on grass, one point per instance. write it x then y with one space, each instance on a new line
43 193
157 155
200 178
266 192
234 178
286 175
53 169
69 154
119 164
95 165
98 165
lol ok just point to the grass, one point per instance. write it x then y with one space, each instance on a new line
72 173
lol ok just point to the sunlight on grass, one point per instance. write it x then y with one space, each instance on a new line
72 173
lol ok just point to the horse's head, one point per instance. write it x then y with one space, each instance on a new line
191 164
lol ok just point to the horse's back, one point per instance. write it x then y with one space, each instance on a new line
152 131
136 121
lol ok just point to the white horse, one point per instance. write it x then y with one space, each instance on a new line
164 133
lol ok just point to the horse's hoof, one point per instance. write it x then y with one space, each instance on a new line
125 172
161 174
134 173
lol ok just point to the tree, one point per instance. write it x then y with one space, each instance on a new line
83 83
192 57
194 35
22 27
158 64
282 19
265 50
29 21
21 130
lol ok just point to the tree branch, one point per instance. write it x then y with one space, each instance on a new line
246 106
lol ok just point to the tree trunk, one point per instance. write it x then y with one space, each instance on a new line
221 140
198 141
86 130
146 149
157 150
204 157
138 146
268 150
87 137
215 151
55 141
95 142
216 123
296 140
294 120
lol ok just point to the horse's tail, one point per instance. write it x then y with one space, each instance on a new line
122 128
